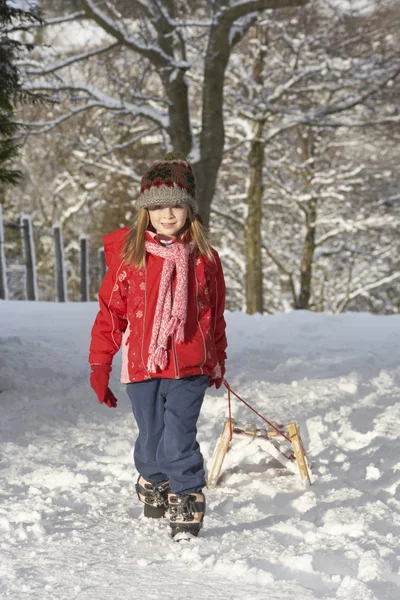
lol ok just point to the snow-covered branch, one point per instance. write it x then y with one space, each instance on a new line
226 215
121 169
130 141
57 20
239 8
389 120
351 102
280 89
333 233
116 29
297 199
46 70
40 127
143 6
343 302
106 101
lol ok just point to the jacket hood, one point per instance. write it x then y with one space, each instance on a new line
114 243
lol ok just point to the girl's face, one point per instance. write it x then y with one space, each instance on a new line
168 220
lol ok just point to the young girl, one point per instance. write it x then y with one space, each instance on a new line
162 299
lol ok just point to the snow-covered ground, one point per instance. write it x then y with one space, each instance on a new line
71 526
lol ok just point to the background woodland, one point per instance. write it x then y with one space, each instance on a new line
290 117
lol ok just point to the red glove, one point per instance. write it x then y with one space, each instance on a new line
99 378
218 376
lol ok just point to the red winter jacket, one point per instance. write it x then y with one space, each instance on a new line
128 298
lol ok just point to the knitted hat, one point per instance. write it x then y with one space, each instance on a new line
168 182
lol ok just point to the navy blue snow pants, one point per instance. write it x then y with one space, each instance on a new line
166 412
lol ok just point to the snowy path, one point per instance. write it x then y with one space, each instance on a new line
70 525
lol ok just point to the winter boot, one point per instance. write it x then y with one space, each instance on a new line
186 513
154 497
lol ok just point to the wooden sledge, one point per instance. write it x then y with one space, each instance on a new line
282 442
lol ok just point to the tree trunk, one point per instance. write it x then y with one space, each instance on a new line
307 152
59 265
3 270
222 39
212 136
84 267
179 118
254 273
307 258
253 249
175 85
31 289
102 264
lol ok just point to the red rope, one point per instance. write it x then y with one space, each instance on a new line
228 387
230 414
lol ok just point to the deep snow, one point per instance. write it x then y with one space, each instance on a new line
70 524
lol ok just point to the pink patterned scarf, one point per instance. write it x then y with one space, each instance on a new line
170 317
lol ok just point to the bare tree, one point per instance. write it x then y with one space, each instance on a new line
328 77
160 37
322 112
253 241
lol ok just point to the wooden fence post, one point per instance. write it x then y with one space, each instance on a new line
31 290
3 270
84 267
102 264
59 265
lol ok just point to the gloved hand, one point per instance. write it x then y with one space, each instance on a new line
218 376
99 378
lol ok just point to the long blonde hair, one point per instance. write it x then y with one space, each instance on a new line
135 250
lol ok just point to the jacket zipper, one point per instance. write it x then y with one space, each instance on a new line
175 358
197 313
174 352
144 317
